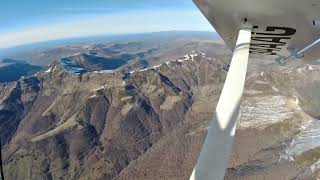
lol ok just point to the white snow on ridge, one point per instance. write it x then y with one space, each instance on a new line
156 67
48 70
305 68
192 57
144 69
77 54
100 88
103 71
253 92
251 76
310 67
261 82
168 64
188 57
153 67
275 89
315 166
51 69
92 96
296 100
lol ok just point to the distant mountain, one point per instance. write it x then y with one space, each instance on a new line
140 37
12 70
156 47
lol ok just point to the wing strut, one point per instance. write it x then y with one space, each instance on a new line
213 159
1 165
296 54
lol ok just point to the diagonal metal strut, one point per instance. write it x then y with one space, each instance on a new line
213 159
1 164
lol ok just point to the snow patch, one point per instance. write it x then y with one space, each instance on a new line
263 75
192 57
297 100
100 88
144 69
308 139
262 111
51 69
299 70
48 70
310 67
157 66
261 82
251 76
275 89
253 92
103 71
315 166
188 57
93 96
153 67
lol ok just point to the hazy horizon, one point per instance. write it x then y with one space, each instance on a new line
4 52
47 21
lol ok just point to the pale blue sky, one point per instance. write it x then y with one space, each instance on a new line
30 21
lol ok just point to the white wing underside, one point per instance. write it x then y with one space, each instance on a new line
279 24
281 29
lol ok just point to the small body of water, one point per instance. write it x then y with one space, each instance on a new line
70 66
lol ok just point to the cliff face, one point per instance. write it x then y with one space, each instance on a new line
107 125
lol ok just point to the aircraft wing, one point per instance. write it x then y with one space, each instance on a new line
281 27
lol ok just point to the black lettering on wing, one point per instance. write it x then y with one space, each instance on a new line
266 46
270 39
263 51
284 31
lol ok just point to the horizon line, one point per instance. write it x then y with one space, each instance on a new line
102 35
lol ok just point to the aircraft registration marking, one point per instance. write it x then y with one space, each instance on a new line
271 40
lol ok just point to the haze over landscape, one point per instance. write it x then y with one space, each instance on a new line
42 21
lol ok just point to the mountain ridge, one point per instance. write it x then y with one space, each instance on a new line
150 123
124 115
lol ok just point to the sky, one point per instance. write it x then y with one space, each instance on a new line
30 21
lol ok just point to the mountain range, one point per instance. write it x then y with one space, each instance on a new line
102 114
98 125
